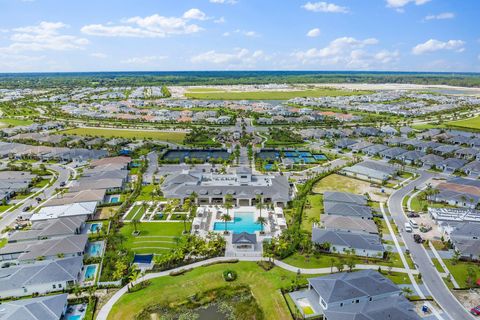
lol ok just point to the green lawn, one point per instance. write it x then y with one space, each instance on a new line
3 242
270 95
175 137
145 193
155 237
5 122
312 210
336 182
265 287
136 212
459 271
471 123
418 204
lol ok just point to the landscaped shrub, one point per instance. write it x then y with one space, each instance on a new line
266 265
229 275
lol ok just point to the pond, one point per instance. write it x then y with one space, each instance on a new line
211 312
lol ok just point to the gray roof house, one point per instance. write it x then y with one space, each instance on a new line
359 146
336 196
374 149
49 229
347 209
466 153
242 185
431 160
392 153
411 157
28 251
445 149
472 169
344 143
349 224
365 245
370 171
40 277
465 237
451 165
360 295
40 308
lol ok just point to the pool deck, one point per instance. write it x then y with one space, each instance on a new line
311 299
85 282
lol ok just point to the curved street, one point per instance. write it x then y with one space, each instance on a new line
430 276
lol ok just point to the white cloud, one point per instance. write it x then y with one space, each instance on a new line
242 57
195 14
433 45
399 4
224 1
313 33
154 26
246 33
324 7
143 60
441 16
98 55
44 36
219 20
347 52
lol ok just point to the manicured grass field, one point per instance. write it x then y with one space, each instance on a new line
5 122
418 204
313 210
270 95
472 123
136 212
174 137
146 193
155 237
265 287
336 182
459 271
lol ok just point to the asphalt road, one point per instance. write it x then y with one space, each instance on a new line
431 278
63 175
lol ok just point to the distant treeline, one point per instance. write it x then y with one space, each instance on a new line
109 79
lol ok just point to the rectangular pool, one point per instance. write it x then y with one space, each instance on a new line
95 249
242 222
90 272
94 227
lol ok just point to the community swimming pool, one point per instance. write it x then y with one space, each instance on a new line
90 272
95 249
242 222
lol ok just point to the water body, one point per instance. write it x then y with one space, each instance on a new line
210 313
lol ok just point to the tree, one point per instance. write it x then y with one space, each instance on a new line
262 221
226 218
471 276
455 257
228 202
134 276
259 203
185 219
340 265
136 222
407 291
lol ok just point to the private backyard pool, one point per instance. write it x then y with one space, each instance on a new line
95 249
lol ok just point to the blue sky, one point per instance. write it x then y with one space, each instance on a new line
106 35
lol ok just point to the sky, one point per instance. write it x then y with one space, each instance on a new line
170 35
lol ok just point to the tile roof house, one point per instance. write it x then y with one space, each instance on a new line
336 196
49 229
40 277
365 245
40 308
371 171
86 209
360 295
465 238
97 195
347 209
431 160
450 165
349 224
392 153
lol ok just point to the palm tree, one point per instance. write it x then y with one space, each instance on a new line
226 218
407 291
135 222
262 221
184 219
228 202
259 203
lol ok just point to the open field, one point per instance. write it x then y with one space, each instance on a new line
312 210
265 287
472 123
336 182
5 122
174 137
155 237
268 95
459 271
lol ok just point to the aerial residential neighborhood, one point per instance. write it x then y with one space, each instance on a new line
239 160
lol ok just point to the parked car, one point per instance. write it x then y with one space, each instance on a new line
26 209
417 238
412 214
475 311
425 228
62 184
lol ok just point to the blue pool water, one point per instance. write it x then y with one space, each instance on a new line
95 249
320 157
268 166
94 227
90 271
242 222
74 317
114 200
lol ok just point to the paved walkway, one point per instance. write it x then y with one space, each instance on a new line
444 266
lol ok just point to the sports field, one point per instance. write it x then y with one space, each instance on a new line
268 95
174 137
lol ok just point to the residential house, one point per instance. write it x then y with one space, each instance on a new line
40 308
